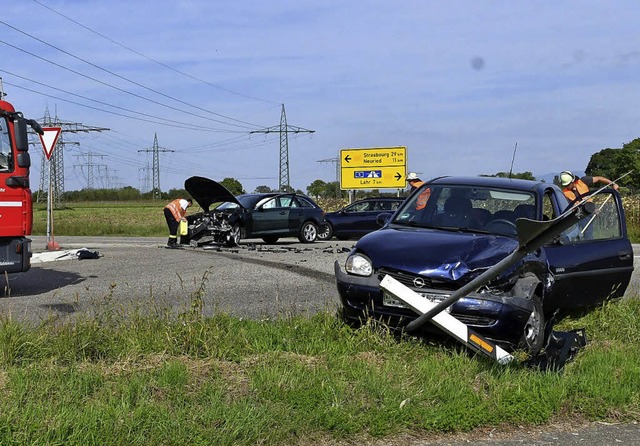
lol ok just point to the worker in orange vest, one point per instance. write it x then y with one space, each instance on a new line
174 212
575 189
414 181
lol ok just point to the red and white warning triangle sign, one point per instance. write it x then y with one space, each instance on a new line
49 138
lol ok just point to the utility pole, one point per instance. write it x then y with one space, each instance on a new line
284 129
56 166
336 161
156 164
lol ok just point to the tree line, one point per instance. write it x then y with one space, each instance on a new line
611 163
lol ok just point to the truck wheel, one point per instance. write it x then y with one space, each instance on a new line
533 335
308 232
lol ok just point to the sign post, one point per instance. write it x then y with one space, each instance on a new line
49 139
374 168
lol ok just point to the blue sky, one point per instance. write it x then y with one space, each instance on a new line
458 83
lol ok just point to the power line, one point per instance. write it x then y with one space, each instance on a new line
160 120
125 79
174 109
150 58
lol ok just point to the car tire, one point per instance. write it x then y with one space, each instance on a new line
308 232
327 233
533 336
270 239
234 236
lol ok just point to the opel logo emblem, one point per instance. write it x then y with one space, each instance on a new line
418 282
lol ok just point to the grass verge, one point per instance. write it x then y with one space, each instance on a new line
160 379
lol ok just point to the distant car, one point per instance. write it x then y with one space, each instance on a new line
358 219
452 229
227 219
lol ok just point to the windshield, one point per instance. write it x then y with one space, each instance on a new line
468 208
5 146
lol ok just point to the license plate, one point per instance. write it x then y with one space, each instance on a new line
391 301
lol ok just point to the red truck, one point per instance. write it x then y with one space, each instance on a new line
16 206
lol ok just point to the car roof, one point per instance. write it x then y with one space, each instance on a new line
381 199
255 198
497 182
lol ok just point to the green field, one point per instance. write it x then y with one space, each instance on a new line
128 218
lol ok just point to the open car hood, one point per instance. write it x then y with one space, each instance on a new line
207 192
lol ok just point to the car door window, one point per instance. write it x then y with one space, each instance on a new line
604 224
548 212
359 207
382 206
301 202
271 204
285 201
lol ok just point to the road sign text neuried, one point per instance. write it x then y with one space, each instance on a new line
374 168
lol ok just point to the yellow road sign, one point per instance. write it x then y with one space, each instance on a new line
373 178
374 168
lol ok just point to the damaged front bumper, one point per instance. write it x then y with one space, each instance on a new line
498 317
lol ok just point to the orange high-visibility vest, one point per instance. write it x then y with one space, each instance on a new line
575 191
176 209
421 202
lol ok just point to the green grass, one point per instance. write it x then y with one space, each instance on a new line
159 379
141 219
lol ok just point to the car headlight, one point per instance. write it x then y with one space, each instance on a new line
359 265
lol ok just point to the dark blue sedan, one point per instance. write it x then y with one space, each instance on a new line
358 218
452 229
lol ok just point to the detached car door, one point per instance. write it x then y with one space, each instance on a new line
593 260
271 217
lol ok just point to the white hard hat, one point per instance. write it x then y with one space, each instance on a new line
412 176
566 177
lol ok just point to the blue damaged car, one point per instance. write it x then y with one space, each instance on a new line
452 229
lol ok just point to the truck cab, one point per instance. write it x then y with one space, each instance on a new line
16 207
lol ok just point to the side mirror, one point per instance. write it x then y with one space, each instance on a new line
20 127
383 218
23 159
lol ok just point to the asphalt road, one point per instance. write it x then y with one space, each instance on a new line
254 280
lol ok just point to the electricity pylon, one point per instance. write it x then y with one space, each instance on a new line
53 169
156 164
284 129
336 161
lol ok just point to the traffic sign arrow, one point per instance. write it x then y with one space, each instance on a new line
49 138
398 176
347 158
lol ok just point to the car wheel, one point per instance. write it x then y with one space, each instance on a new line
233 239
534 330
308 232
327 233
270 239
